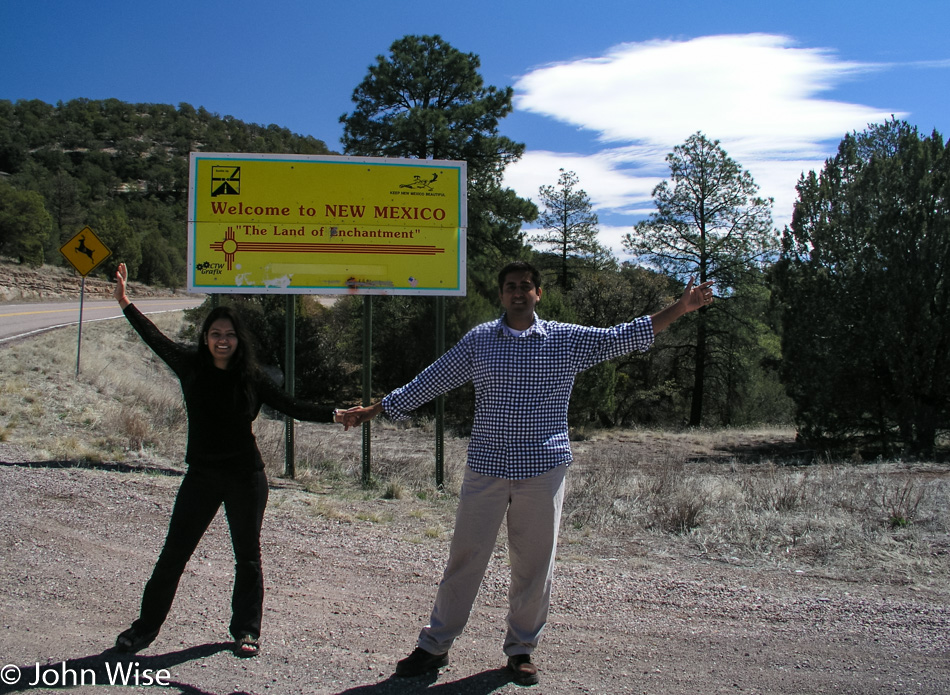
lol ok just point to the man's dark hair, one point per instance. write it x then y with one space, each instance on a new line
519 267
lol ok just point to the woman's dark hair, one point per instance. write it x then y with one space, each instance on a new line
244 361
518 267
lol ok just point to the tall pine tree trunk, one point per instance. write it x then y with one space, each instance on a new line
696 408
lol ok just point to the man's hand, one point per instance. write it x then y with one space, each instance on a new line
356 415
696 297
693 298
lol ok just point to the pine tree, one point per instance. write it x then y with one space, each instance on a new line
569 226
710 224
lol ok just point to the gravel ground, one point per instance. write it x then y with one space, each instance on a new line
349 583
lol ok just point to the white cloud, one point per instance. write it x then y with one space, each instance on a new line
616 189
758 94
612 238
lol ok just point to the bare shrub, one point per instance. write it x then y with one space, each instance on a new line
675 498
655 493
73 449
900 499
768 487
394 490
135 429
600 491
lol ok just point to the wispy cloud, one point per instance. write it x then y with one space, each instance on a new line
760 95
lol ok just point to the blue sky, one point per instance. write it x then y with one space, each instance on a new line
604 88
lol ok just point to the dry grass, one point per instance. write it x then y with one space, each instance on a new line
741 497
886 521
124 400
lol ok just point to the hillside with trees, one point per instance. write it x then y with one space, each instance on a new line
119 168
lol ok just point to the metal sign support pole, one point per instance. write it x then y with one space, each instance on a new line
440 400
82 293
290 354
367 381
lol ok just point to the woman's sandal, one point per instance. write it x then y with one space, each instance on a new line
131 640
246 646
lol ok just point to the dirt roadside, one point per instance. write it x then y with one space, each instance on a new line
350 583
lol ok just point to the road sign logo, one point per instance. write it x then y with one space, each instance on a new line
225 181
85 251
420 184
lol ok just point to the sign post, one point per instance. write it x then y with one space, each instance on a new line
84 251
298 224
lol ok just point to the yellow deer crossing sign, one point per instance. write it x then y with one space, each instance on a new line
85 251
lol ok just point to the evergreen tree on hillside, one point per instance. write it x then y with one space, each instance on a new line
24 224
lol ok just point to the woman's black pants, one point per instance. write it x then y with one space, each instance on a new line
202 492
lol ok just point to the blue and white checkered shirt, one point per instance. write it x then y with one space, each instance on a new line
522 388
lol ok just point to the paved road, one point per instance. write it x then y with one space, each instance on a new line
21 320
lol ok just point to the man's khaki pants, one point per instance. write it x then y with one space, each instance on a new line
533 509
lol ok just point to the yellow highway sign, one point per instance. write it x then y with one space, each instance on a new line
326 224
85 251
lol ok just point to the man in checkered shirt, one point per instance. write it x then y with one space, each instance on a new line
523 370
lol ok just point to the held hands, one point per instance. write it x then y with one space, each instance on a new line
356 415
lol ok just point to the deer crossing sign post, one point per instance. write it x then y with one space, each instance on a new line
84 251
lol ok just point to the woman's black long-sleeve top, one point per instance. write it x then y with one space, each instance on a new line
219 414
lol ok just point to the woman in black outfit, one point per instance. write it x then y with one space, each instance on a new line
223 390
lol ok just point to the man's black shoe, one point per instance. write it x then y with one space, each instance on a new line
525 672
419 662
